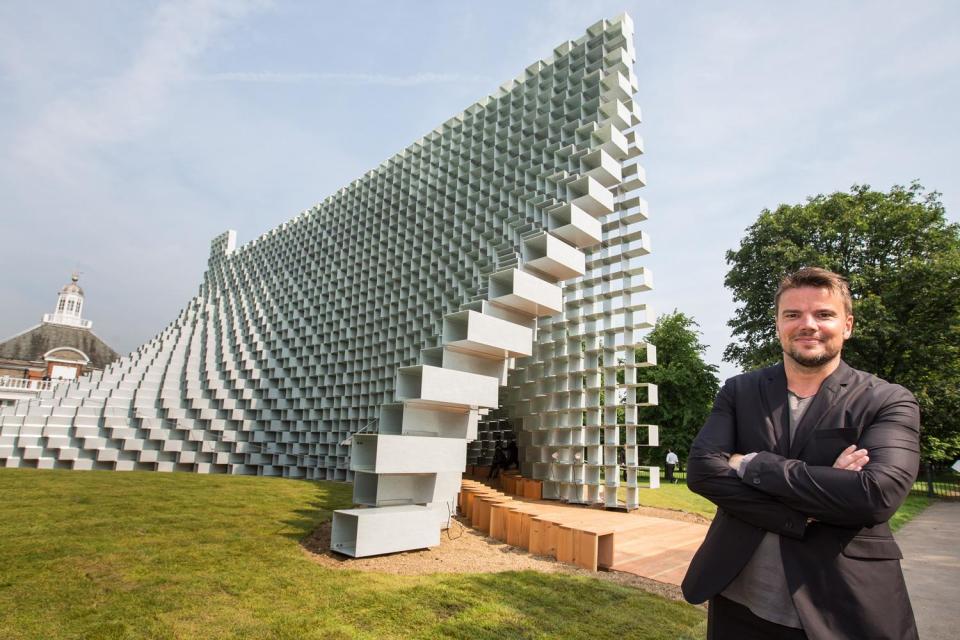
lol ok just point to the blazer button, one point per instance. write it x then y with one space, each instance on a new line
756 481
787 525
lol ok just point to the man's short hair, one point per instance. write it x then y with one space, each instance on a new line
819 278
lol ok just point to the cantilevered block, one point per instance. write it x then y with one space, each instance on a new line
477 333
619 115
383 489
369 532
589 195
574 225
415 420
617 86
602 167
613 141
553 257
634 176
504 313
379 453
424 384
525 292
473 363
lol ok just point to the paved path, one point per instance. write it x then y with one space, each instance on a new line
931 565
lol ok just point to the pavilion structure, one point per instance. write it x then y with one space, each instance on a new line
485 282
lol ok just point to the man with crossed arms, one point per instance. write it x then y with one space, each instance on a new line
806 461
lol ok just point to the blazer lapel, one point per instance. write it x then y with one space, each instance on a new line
830 392
774 395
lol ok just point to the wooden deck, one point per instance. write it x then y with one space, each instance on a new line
588 537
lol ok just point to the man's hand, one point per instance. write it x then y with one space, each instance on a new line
734 461
852 459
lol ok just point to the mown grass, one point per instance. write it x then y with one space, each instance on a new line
912 506
675 496
679 498
149 555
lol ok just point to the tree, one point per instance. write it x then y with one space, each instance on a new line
686 384
902 259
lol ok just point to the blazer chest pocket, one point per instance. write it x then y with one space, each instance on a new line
847 435
872 549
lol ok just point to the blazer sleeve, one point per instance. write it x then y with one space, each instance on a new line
846 498
709 474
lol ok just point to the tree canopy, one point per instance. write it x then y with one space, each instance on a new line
686 384
902 259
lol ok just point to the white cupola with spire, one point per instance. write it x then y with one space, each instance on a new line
69 306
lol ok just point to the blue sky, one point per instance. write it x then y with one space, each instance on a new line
131 134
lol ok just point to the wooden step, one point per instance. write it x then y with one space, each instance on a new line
591 538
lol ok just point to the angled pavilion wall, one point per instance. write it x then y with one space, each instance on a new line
295 340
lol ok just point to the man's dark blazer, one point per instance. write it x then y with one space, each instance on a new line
840 559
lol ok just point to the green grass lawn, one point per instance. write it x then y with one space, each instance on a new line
679 498
151 555
913 505
674 496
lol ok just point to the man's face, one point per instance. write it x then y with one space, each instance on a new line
812 325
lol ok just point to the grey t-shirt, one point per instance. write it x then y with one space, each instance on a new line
761 585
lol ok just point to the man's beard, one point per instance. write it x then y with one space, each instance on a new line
813 361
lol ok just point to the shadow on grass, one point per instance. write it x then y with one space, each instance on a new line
530 604
328 498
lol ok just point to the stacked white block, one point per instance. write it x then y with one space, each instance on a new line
306 335
416 473
575 401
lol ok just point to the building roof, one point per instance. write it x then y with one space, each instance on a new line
33 343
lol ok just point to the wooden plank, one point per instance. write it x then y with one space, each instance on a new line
605 551
525 519
549 536
565 543
532 489
585 549
498 519
513 529
539 544
470 498
481 511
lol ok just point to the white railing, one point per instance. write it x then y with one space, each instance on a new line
62 318
24 384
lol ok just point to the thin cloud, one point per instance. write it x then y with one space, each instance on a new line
127 105
412 80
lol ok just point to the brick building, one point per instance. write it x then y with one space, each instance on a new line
62 346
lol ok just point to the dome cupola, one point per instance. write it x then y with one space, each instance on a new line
69 306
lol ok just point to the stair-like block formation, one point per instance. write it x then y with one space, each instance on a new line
405 296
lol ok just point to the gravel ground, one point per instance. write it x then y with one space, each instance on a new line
464 550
